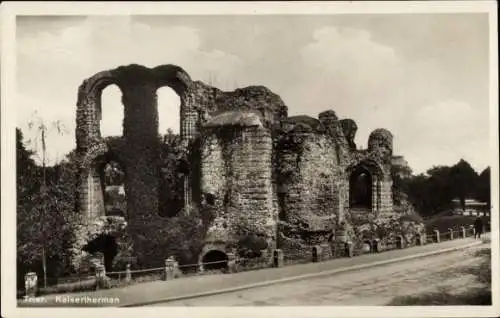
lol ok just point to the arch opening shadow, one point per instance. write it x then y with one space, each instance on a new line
105 244
215 260
360 189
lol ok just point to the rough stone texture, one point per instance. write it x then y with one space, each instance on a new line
237 174
286 178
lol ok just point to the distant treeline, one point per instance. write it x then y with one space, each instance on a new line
433 192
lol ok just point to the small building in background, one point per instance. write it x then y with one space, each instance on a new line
472 207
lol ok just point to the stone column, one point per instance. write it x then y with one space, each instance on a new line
375 193
140 131
451 233
464 233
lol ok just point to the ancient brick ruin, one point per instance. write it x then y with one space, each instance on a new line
297 181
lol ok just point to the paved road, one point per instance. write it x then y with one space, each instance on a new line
372 286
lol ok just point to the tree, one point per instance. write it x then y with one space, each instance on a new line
463 180
483 187
38 222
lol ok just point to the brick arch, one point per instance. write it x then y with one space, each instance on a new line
374 167
216 246
88 113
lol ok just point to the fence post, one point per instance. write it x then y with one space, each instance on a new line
128 274
399 242
201 268
418 239
451 233
231 263
100 276
278 258
376 245
169 269
30 284
349 249
436 236
464 233
316 254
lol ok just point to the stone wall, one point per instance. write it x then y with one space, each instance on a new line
236 173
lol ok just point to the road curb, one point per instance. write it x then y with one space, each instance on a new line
301 277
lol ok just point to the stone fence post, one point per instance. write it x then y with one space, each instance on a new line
436 236
30 284
316 254
399 242
169 269
376 245
451 233
418 239
464 232
231 263
278 258
128 274
100 276
349 252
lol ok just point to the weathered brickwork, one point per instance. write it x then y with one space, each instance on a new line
287 178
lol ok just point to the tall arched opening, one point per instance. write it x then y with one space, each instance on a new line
172 180
111 112
113 184
360 188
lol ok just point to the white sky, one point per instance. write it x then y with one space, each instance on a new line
424 77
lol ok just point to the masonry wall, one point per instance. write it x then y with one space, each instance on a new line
236 169
312 191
